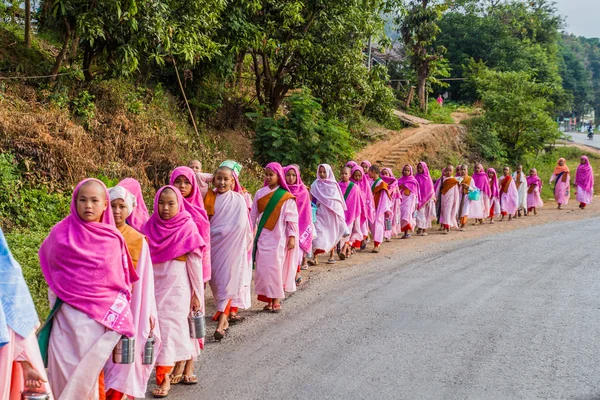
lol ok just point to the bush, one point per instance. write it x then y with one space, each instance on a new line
303 136
382 101
484 141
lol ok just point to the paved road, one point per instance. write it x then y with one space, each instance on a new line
510 316
582 138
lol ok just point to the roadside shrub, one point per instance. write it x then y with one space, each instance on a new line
483 140
303 136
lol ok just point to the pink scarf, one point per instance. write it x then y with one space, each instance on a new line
328 193
278 169
354 203
534 180
495 187
481 181
139 215
175 237
391 181
351 164
367 194
410 182
302 196
584 176
426 191
88 266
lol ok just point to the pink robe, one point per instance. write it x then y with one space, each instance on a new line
425 215
11 373
230 240
132 379
175 281
562 191
330 227
384 207
449 206
509 201
276 265
204 180
78 350
408 207
466 203
583 196
396 214
534 199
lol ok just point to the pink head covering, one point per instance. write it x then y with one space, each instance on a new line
426 191
584 176
88 266
139 215
391 180
481 181
367 193
366 162
351 164
195 206
278 169
302 196
494 186
534 180
410 182
327 192
175 237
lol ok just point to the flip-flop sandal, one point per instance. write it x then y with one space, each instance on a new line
190 380
342 256
299 280
268 308
312 262
176 379
159 393
234 319
276 308
331 261
304 267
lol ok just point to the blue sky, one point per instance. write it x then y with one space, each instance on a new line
583 16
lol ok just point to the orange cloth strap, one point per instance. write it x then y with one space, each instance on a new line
274 217
448 184
101 387
377 190
506 184
134 241
209 202
181 258
467 181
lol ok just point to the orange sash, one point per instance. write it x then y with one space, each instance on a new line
518 180
448 184
134 241
467 181
274 217
506 184
383 187
209 202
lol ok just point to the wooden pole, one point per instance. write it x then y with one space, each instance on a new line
185 98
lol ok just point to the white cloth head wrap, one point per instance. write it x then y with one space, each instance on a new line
119 192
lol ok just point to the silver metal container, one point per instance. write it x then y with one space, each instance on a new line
149 351
124 351
388 224
35 396
197 325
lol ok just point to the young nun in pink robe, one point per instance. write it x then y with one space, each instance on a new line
383 206
330 225
132 379
275 243
366 165
231 239
353 213
85 248
584 182
388 177
480 210
21 365
305 223
448 195
409 189
358 176
521 182
509 196
534 191
494 195
203 179
139 216
562 179
176 251
426 205
466 185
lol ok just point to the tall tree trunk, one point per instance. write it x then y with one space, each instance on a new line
239 67
422 88
59 59
74 47
28 23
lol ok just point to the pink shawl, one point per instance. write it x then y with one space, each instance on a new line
195 206
364 210
367 193
304 207
426 190
139 215
88 266
495 187
351 164
328 193
354 202
391 181
174 237
410 182
584 176
482 182
278 169
534 180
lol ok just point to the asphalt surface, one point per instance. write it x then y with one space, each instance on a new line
508 316
581 138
